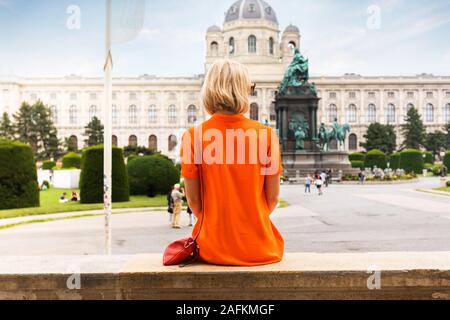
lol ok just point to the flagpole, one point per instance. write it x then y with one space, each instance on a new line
107 139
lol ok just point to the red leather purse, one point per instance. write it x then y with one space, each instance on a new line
185 251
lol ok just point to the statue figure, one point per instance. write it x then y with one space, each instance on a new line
298 130
297 73
341 135
300 136
325 137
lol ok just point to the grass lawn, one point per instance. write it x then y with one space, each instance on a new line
50 204
443 189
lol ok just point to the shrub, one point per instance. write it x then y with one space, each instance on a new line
375 158
428 157
48 165
71 160
91 179
394 161
448 184
411 160
447 160
131 157
152 175
357 164
436 169
18 177
357 156
428 166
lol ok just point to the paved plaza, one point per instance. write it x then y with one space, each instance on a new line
347 218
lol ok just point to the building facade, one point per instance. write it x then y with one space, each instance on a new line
155 111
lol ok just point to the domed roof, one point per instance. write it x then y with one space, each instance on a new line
214 28
251 9
292 28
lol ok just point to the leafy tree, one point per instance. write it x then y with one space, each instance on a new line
6 128
447 133
94 132
70 145
23 125
381 137
413 130
436 142
137 150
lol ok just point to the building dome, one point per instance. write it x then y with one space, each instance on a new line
251 9
214 29
292 28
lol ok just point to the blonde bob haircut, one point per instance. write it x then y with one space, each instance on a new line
227 88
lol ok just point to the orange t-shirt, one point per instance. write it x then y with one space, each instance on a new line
237 230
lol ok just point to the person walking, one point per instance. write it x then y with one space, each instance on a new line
177 198
323 176
170 205
319 183
308 182
361 176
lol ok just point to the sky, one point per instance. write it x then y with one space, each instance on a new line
367 37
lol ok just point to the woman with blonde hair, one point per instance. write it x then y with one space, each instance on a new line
232 167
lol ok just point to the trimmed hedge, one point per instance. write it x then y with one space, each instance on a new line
152 175
91 179
18 177
48 165
394 161
447 159
375 158
448 184
411 160
357 156
428 157
71 160
357 164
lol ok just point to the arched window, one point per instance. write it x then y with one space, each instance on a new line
92 112
371 113
54 114
390 114
429 113
254 112
352 142
73 115
172 142
152 114
292 45
232 47
172 114
214 49
351 113
132 115
115 141
332 113
252 44
153 143
271 46
447 112
115 114
192 114
133 141
409 106
73 143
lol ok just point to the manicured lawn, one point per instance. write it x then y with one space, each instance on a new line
50 204
443 189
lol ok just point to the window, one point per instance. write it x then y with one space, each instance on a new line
93 96
251 7
371 94
254 112
352 142
152 114
255 93
371 113
447 112
132 115
430 95
332 113
351 113
410 94
73 143
192 114
54 114
172 142
352 95
292 45
332 95
214 49
53 96
172 114
115 141
114 95
409 106
133 96
92 112
73 115
153 143
273 112
447 94
252 44
133 141
231 46
73 96
115 114
391 95
271 46
429 113
390 114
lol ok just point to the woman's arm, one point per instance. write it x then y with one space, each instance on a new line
193 195
272 190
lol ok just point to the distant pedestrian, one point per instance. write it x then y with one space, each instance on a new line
170 205
323 176
177 197
308 182
330 176
63 199
361 176
318 182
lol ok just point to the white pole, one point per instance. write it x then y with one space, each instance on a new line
107 157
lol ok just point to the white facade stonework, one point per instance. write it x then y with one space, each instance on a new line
146 107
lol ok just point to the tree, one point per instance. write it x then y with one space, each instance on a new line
69 145
6 128
381 137
436 142
23 125
413 130
94 132
446 129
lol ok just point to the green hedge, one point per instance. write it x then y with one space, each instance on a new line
394 161
357 156
448 184
375 158
18 177
91 179
152 175
71 160
447 160
48 165
411 160
357 164
428 157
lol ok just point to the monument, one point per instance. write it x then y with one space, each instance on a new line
305 146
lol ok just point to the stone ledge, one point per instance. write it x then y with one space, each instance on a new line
403 275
